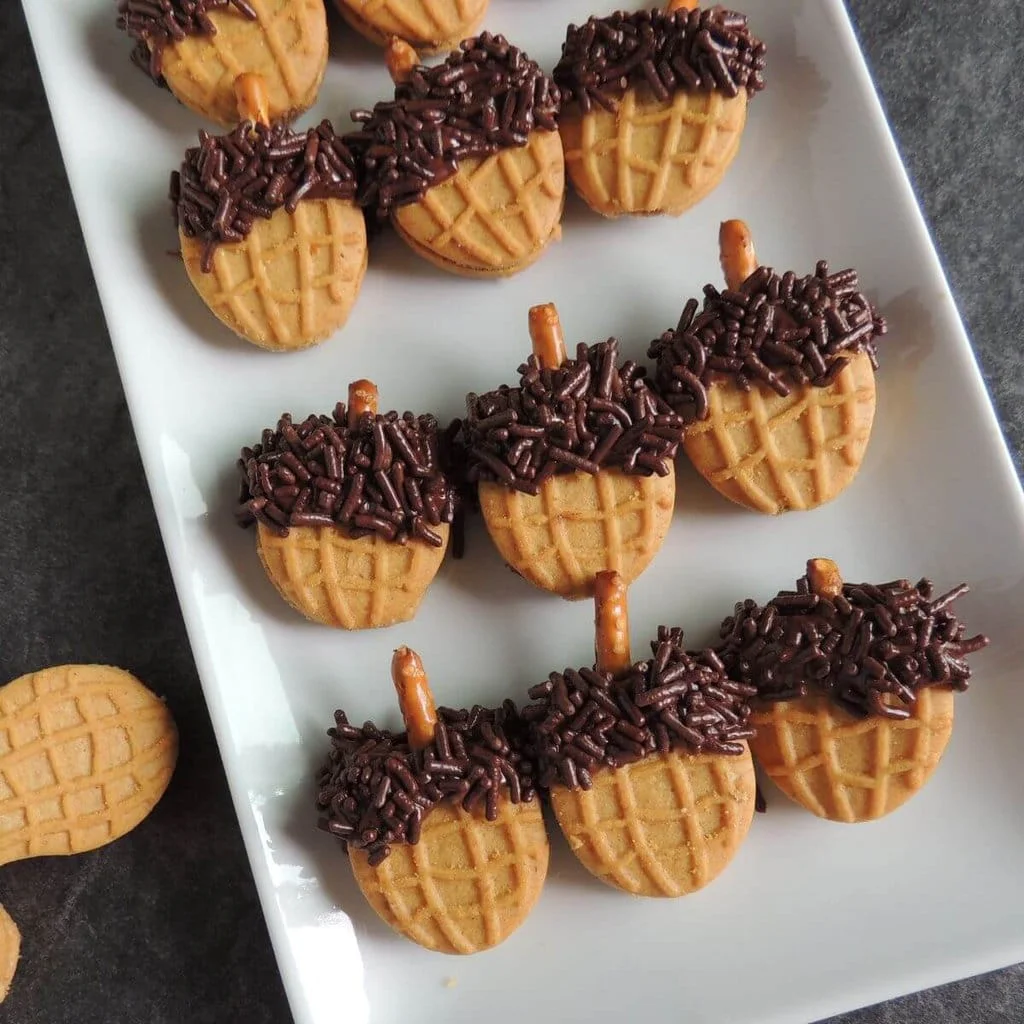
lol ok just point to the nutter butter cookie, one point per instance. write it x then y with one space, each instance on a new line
573 466
466 161
647 763
855 685
197 48
431 26
352 511
441 822
271 237
775 376
655 102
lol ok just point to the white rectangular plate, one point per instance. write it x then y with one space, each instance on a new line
812 918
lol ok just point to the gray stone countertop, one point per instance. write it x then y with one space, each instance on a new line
164 925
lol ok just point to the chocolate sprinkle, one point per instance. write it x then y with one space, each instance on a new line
373 790
585 720
586 414
380 477
777 330
227 181
485 97
871 649
699 50
153 24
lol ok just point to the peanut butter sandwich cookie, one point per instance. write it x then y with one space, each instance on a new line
647 763
655 103
441 822
352 512
466 161
197 48
270 234
855 686
775 376
573 466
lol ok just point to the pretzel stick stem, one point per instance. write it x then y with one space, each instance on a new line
611 624
414 697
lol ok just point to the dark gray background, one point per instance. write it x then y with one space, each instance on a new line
164 925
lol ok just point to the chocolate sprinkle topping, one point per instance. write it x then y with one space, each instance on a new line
373 790
871 649
381 476
585 720
699 50
778 330
485 97
227 181
587 414
155 23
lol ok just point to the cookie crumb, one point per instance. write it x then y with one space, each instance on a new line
450 982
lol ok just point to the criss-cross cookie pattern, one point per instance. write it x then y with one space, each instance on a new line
294 278
495 212
418 20
286 45
467 883
662 826
773 453
846 768
579 525
85 753
649 155
351 583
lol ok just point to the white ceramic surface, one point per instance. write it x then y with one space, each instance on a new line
812 918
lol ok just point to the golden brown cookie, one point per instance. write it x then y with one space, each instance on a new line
854 687
467 884
431 26
784 423
444 832
199 49
778 453
849 768
478 188
650 778
578 525
281 266
659 136
86 751
10 949
496 216
350 583
353 512
292 282
568 492
664 826
652 156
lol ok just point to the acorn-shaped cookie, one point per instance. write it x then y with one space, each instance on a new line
776 378
649 772
655 102
352 513
466 161
270 234
432 26
573 466
854 685
444 835
197 48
